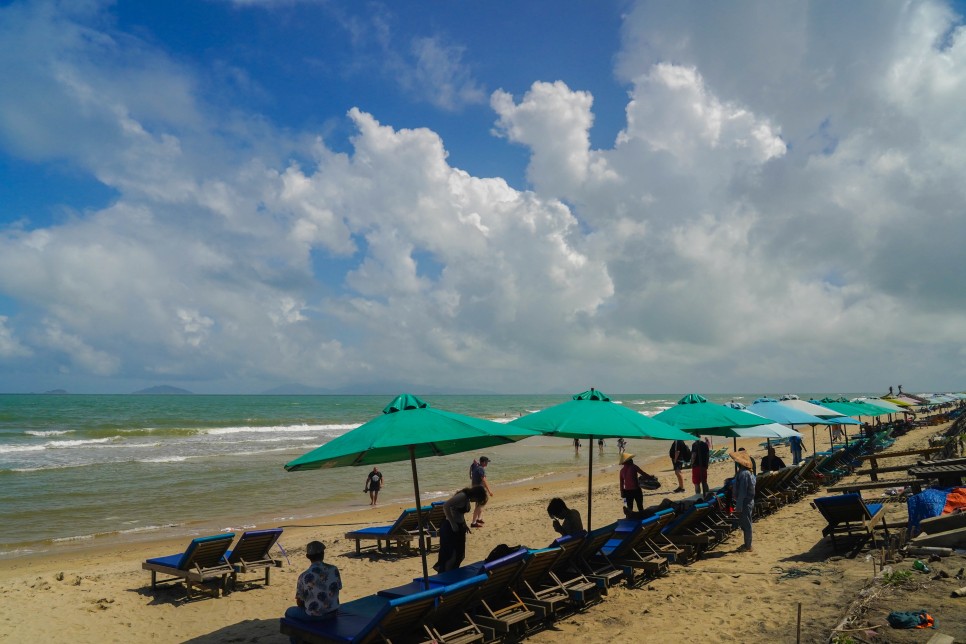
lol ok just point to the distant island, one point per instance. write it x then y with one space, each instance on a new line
163 390
56 392
375 388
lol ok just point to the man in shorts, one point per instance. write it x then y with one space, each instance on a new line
700 459
478 477
680 454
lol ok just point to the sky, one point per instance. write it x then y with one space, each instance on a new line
654 197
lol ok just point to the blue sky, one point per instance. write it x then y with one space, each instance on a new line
639 196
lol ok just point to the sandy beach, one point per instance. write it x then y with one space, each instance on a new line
102 595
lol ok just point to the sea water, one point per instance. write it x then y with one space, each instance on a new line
77 469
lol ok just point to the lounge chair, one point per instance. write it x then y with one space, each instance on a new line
499 608
252 553
538 589
595 564
448 622
629 549
402 532
201 562
849 515
367 619
688 529
567 573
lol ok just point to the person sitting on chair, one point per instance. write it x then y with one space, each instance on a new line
571 523
771 463
317 589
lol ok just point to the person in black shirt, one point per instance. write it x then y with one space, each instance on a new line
771 463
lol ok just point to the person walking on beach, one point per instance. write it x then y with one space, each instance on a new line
317 589
478 477
576 446
566 521
621 445
743 493
630 487
797 445
680 454
600 446
373 484
700 458
452 534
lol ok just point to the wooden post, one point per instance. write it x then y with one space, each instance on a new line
798 631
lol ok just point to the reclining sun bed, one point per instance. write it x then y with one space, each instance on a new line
849 515
402 532
252 553
202 561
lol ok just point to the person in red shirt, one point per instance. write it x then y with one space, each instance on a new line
630 487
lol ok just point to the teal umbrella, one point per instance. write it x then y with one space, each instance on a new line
695 414
409 429
591 415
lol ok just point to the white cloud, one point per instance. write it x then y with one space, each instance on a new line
783 209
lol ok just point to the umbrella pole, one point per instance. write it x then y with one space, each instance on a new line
419 516
590 482
813 440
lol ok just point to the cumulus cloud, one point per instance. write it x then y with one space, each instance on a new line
783 209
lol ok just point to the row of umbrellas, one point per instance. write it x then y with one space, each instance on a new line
409 429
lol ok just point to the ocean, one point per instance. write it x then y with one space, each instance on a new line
82 469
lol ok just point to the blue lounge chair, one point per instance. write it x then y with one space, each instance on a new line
540 591
566 572
629 549
448 622
364 620
595 564
688 529
402 532
849 515
252 553
201 562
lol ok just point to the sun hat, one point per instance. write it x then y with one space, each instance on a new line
625 457
314 548
742 459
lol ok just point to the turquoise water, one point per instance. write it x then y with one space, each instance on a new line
76 469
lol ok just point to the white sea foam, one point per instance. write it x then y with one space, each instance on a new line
218 431
52 432
164 459
80 537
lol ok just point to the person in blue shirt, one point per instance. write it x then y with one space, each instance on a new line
797 445
743 493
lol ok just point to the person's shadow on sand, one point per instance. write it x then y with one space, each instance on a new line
250 630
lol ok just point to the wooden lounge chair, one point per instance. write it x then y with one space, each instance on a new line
499 608
566 572
687 529
448 622
594 563
402 532
252 553
849 515
538 588
368 619
629 549
201 562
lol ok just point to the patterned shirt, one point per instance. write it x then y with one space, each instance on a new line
318 588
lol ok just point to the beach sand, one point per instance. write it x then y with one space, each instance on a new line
101 594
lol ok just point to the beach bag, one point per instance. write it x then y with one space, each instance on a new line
648 482
501 551
911 619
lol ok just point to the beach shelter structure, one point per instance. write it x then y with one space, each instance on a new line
775 411
829 416
593 415
409 429
693 413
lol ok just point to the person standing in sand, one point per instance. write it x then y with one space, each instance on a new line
743 493
576 446
700 459
630 486
317 589
373 484
797 445
452 534
478 478
680 454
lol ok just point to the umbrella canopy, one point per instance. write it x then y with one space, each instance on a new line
879 402
847 408
783 414
810 408
695 414
408 429
590 415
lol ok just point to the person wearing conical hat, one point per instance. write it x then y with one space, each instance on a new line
630 487
743 493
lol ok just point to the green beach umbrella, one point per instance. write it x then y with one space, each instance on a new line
409 429
591 415
693 413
